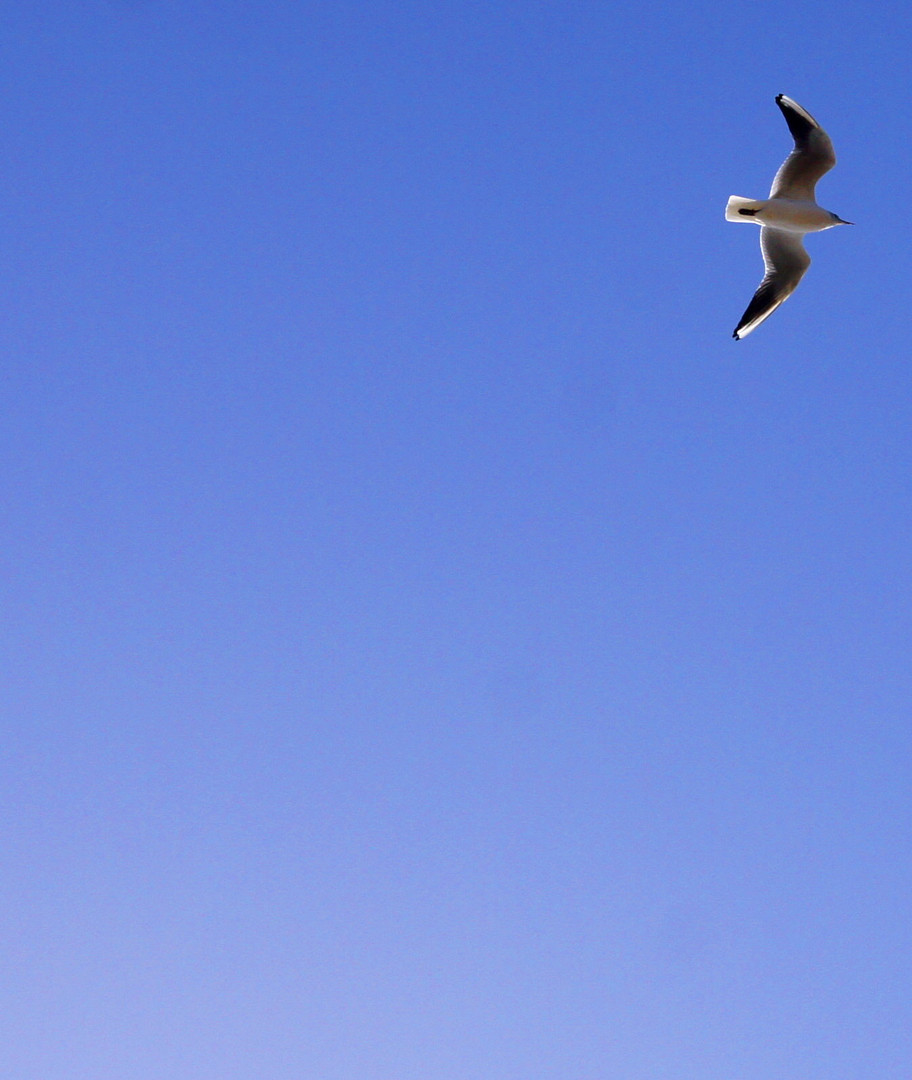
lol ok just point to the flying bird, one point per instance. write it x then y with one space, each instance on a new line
790 211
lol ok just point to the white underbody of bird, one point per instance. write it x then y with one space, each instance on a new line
791 215
787 215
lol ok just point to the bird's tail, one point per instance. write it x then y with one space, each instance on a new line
739 209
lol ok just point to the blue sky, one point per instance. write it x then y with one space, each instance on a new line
432 647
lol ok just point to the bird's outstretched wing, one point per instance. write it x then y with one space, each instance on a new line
812 157
786 262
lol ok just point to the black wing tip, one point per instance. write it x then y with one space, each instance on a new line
736 335
799 120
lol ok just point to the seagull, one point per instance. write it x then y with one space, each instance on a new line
790 211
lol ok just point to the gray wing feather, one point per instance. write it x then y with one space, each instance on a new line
812 157
786 262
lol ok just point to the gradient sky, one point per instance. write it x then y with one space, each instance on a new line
432 648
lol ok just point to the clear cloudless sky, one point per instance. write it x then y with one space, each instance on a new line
432 648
